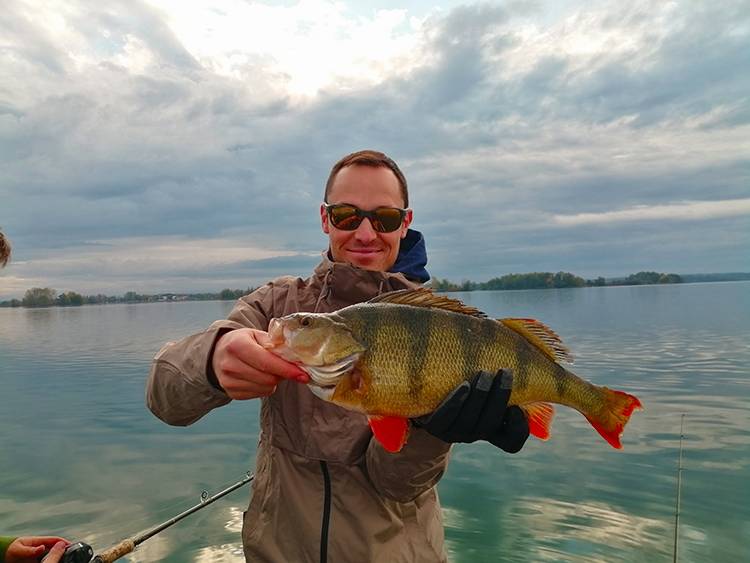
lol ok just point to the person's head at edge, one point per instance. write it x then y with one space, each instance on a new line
4 250
366 179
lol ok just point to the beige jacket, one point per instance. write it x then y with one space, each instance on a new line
324 490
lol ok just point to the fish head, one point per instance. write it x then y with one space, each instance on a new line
320 343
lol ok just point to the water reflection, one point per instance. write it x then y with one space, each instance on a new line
590 531
226 553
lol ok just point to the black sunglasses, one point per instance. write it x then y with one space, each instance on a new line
349 217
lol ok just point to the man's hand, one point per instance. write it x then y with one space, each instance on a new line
478 410
246 370
29 549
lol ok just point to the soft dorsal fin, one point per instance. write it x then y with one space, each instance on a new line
423 297
541 336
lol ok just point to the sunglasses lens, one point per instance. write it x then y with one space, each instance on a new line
387 219
344 217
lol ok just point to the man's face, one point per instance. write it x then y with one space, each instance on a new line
366 187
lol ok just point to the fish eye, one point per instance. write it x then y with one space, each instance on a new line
305 321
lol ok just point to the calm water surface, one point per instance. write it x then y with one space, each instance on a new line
82 456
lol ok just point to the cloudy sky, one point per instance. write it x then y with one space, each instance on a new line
183 146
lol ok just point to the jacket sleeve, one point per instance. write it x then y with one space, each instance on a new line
179 390
405 475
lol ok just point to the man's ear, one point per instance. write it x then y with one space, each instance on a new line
324 219
407 221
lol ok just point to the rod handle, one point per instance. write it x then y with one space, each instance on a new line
115 552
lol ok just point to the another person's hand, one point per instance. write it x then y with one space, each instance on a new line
29 549
246 370
478 410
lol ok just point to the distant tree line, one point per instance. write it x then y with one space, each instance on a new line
48 297
548 280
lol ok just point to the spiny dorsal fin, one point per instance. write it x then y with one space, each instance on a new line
541 336
423 297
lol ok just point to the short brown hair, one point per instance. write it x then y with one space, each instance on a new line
4 250
368 158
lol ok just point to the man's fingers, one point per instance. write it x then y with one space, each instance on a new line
255 355
47 541
269 362
254 392
235 372
494 413
475 403
249 382
56 553
22 551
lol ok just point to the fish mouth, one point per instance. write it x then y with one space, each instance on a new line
276 333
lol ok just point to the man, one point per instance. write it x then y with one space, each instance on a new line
324 489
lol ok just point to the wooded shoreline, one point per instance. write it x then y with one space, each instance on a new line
48 297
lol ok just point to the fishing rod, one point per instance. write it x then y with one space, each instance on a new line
679 489
81 552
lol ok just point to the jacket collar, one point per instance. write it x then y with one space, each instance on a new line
412 257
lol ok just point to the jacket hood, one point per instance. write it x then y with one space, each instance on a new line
412 257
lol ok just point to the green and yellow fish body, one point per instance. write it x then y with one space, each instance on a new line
400 354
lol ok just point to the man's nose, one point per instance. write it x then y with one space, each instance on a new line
365 232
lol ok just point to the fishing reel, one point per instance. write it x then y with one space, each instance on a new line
76 553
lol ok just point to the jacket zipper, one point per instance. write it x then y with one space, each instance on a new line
326 513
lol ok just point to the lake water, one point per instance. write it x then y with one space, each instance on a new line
82 456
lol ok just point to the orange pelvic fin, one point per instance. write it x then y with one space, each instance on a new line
539 416
390 431
620 406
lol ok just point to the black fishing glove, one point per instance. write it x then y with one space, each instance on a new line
478 410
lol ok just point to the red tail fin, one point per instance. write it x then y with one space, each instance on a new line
611 423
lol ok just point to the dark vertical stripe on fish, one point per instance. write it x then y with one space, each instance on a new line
488 332
418 353
522 377
561 383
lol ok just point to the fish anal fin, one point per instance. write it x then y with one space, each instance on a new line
541 336
390 431
423 297
539 417
610 425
